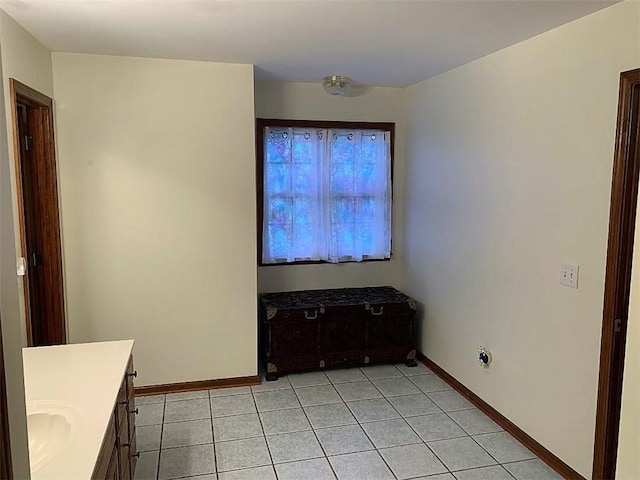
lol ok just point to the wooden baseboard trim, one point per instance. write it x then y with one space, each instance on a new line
198 385
545 455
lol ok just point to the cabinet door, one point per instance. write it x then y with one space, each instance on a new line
132 438
133 457
112 470
108 453
123 447
116 461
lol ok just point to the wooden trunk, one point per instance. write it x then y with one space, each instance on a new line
318 329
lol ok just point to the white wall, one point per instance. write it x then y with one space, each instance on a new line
157 185
508 175
628 467
26 60
308 101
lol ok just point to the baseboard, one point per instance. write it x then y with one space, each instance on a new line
198 385
545 455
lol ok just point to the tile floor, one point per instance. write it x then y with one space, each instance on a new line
378 422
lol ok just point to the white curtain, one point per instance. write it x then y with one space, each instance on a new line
327 195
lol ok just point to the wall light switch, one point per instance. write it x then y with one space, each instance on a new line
21 266
569 275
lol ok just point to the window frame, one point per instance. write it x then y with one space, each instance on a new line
261 123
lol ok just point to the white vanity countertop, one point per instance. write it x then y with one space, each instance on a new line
87 377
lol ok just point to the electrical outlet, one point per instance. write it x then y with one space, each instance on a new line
569 275
484 357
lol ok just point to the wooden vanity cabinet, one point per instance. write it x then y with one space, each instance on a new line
118 455
107 464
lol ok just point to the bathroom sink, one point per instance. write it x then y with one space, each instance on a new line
51 427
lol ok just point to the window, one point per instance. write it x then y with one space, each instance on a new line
324 191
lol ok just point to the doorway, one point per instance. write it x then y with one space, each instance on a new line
34 151
622 217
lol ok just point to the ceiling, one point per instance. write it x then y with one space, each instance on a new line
391 42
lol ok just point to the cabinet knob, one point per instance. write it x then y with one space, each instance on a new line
134 374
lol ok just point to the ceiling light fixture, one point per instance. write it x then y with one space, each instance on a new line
336 84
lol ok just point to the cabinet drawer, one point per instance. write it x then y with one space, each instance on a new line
130 375
121 402
131 416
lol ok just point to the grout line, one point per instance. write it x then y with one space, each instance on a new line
472 434
489 453
164 406
213 440
313 429
454 421
185 400
229 395
184 446
187 421
376 449
188 446
448 387
512 475
525 460
414 430
326 457
240 439
440 459
137 400
264 435
486 466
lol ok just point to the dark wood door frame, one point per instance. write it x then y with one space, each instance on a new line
34 153
622 218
